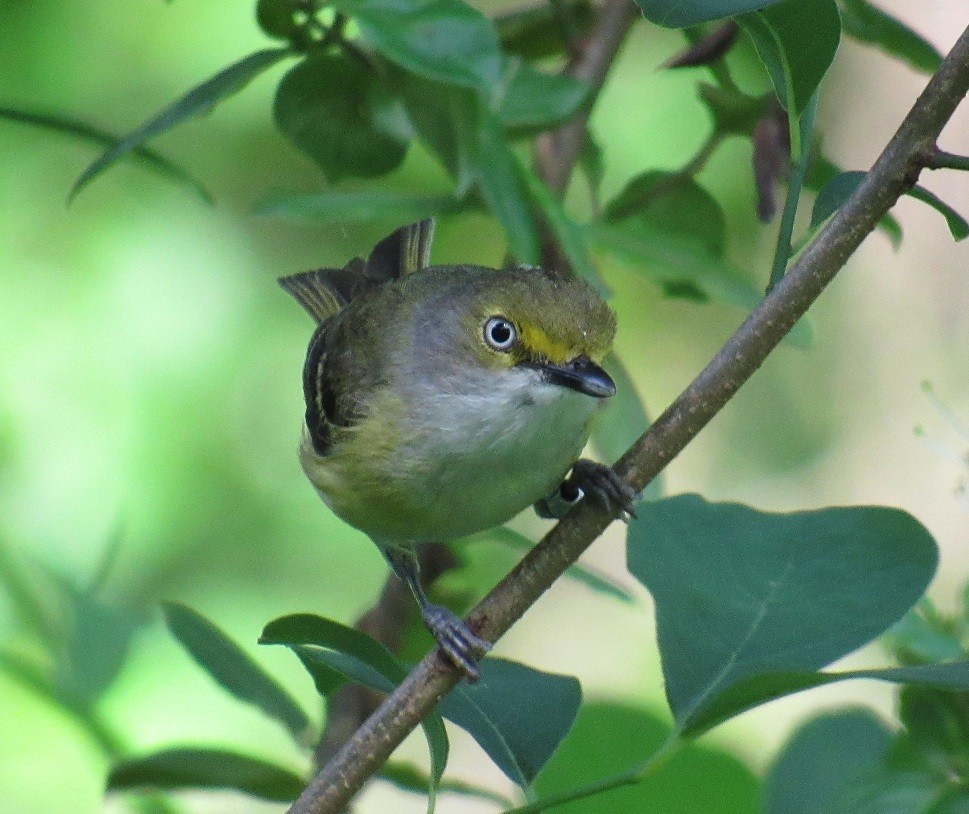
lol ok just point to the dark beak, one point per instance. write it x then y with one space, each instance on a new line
580 374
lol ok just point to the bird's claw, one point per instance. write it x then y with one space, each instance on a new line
461 645
603 484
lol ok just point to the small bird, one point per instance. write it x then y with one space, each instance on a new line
443 400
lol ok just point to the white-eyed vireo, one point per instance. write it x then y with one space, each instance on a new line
441 401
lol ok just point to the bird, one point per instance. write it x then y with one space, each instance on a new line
443 400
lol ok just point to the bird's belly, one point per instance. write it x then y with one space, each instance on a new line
473 469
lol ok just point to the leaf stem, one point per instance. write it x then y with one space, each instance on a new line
795 184
941 160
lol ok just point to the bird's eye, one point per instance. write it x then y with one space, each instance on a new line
499 333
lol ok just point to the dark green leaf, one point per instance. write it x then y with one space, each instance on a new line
570 236
333 653
535 31
609 739
957 224
276 18
517 714
534 100
797 41
358 206
323 106
679 14
446 40
865 22
197 101
823 758
597 582
194 768
592 164
82 130
233 668
835 190
741 593
937 721
497 173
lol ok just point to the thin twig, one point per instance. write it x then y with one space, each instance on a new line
895 171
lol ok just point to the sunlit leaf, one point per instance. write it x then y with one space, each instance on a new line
233 668
446 40
741 594
196 768
870 24
197 101
323 106
82 130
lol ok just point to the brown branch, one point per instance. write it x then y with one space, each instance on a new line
895 171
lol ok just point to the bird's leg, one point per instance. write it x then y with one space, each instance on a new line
599 482
457 641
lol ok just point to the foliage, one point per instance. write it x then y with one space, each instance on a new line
750 605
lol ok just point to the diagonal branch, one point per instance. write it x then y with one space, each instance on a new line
896 170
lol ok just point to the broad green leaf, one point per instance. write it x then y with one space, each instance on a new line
496 171
358 206
532 100
580 573
233 668
797 41
741 594
196 768
73 127
867 23
570 236
196 102
517 714
759 689
608 739
836 191
323 106
822 758
333 653
834 188
679 14
446 40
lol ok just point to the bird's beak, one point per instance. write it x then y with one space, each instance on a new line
581 374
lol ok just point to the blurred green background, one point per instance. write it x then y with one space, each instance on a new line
149 375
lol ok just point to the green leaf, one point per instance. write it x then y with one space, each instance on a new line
608 739
517 714
533 100
797 41
323 106
741 593
569 235
332 653
869 24
822 759
446 40
196 102
233 668
678 14
535 31
580 573
835 190
496 171
195 768
74 127
30 601
920 637
358 206
834 194
956 223
937 721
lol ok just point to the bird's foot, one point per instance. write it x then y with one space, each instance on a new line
461 645
602 484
